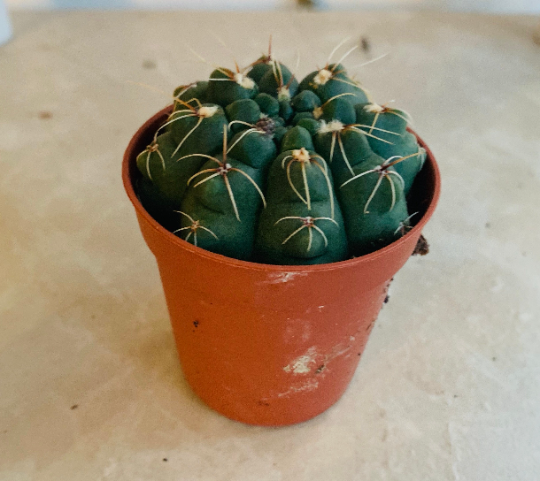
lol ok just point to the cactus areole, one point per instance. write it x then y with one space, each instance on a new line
278 212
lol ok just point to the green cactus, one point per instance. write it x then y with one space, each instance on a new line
268 104
332 80
302 223
185 93
254 165
374 205
392 139
226 86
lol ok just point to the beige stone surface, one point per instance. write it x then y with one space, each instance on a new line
90 385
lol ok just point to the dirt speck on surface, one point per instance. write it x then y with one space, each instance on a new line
320 369
365 44
196 323
422 247
45 115
149 64
309 4
75 406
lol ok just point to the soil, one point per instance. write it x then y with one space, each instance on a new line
422 247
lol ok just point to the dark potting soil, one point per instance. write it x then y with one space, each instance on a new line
422 247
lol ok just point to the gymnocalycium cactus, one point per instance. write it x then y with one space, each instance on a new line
254 165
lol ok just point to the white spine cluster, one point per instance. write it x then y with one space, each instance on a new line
323 76
374 108
301 155
207 112
246 82
333 126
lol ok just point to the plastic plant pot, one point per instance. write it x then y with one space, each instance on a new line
268 344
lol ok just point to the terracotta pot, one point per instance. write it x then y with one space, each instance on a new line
265 344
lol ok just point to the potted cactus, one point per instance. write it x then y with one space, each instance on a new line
278 212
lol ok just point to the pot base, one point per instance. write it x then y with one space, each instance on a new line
270 367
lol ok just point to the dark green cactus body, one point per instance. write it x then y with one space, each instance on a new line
227 204
224 87
186 93
280 132
268 104
391 121
303 177
301 205
258 68
306 180
414 155
344 149
296 138
159 166
277 242
255 148
214 194
310 124
373 204
225 235
246 111
306 101
200 130
389 138
279 121
332 81
279 82
339 109
285 110
300 116
156 204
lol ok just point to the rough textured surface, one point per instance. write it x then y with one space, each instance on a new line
90 384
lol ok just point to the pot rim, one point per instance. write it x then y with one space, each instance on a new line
129 157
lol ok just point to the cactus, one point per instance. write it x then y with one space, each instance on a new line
254 165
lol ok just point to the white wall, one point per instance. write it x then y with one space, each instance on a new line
495 6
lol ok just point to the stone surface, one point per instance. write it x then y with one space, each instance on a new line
90 385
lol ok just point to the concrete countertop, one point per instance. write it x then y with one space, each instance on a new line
90 385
